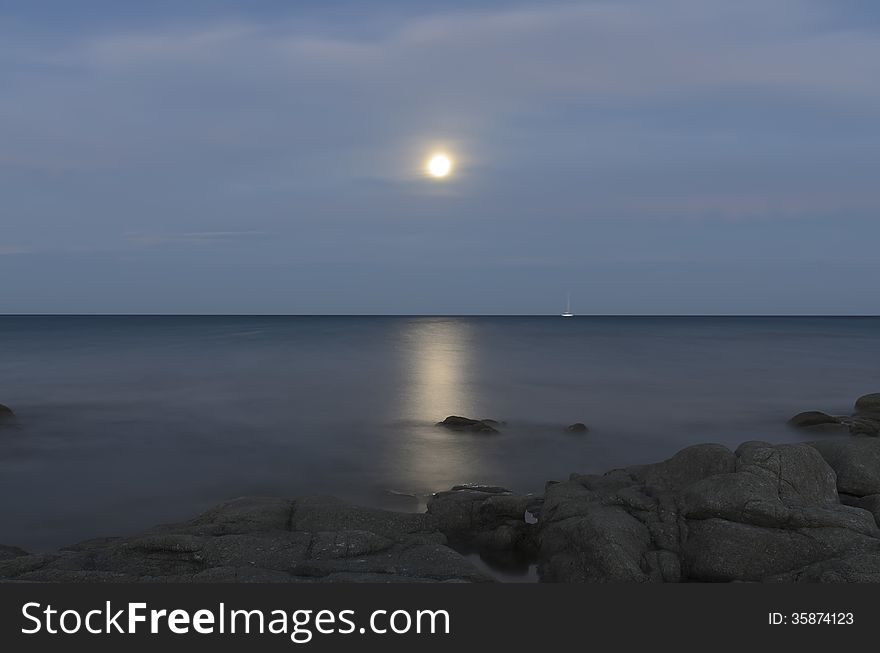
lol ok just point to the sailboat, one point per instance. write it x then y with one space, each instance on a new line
568 312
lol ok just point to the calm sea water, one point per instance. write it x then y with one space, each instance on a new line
129 421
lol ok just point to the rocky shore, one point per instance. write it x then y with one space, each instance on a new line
804 512
783 513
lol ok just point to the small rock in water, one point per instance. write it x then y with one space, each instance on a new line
813 418
6 413
456 423
869 403
486 489
577 427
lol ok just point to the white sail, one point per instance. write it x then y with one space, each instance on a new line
568 312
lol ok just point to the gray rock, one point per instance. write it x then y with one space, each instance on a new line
687 466
6 414
456 423
606 544
577 427
856 461
8 552
856 568
488 519
868 403
721 550
871 503
309 539
801 475
814 419
865 426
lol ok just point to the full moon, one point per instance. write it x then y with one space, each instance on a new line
439 166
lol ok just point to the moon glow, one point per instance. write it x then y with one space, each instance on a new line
439 166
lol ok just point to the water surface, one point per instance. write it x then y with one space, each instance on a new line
129 421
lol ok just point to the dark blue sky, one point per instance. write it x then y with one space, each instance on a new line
685 156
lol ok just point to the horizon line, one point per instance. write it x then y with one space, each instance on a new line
582 315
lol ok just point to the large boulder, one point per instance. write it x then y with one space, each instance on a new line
456 423
706 514
687 466
800 474
605 544
856 462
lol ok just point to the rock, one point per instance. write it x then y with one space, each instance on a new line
721 550
8 552
577 427
706 514
871 503
868 403
487 519
6 414
309 539
687 466
456 423
865 426
801 476
856 461
813 419
856 568
605 544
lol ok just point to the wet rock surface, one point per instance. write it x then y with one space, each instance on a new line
456 423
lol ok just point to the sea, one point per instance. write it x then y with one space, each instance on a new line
124 422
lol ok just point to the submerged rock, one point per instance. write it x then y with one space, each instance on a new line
456 423
813 419
577 427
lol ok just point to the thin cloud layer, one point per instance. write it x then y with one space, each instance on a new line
571 123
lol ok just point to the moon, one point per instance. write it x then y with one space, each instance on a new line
439 166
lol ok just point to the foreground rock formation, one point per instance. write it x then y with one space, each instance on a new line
311 539
763 513
773 513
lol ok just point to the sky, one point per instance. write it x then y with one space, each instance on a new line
674 157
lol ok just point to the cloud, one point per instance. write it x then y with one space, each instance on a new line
10 250
199 237
577 127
